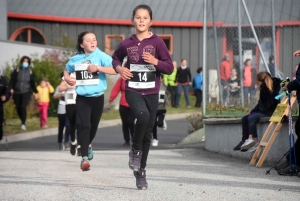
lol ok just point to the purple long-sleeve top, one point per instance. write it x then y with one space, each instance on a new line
133 48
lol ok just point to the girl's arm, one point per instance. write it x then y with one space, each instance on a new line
107 70
62 86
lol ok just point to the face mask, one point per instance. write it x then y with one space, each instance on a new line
24 64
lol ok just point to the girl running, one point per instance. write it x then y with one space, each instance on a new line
90 65
148 57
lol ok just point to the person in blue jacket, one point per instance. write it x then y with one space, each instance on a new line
197 85
90 65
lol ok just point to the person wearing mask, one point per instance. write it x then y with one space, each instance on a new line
183 81
22 84
4 97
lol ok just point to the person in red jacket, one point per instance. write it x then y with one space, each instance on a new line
225 75
126 114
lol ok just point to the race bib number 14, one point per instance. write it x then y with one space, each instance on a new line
143 76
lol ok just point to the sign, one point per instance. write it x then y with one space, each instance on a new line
278 113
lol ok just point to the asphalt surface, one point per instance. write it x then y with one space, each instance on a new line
36 170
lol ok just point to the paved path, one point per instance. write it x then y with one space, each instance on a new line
36 170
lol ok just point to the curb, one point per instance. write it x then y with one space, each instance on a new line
53 131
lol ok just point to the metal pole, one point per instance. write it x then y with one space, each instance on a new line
255 36
204 62
274 41
240 51
216 52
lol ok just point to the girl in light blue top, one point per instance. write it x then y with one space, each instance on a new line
90 65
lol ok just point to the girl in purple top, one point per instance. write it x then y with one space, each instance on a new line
147 57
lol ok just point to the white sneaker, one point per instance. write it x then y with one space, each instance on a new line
23 127
248 144
165 126
154 143
252 149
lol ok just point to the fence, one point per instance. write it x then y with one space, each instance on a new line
249 40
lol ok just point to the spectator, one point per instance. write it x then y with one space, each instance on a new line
170 82
284 168
249 82
183 80
197 85
271 66
126 114
4 95
269 88
224 76
22 83
62 120
44 89
294 73
234 88
161 112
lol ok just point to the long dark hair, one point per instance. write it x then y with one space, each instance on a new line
142 6
79 49
265 78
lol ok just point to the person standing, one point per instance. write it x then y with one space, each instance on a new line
161 112
62 120
4 96
197 85
224 76
271 66
234 88
44 89
90 66
22 84
183 80
148 57
249 82
170 82
126 114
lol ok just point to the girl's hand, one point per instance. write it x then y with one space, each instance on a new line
36 96
92 68
297 53
124 72
12 91
149 58
70 80
3 98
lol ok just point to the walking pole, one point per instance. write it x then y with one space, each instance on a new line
291 137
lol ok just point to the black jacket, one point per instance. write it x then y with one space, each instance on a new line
15 82
295 84
4 89
183 75
267 102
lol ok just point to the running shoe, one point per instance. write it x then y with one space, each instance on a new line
90 153
61 146
23 127
85 165
140 177
154 143
135 157
248 144
238 147
252 149
73 146
165 126
126 144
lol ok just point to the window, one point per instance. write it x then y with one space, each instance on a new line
29 34
112 42
168 39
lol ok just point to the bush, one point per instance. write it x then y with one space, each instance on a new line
196 120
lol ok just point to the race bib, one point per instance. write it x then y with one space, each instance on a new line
161 96
70 96
143 76
83 77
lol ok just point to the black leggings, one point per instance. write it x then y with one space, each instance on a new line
144 109
127 118
198 94
21 101
63 123
159 122
1 120
88 113
71 115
